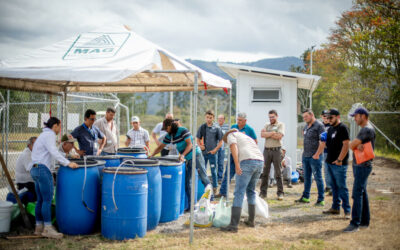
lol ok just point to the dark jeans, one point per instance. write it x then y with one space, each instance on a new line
164 152
339 187
44 192
272 156
200 166
313 167
360 211
221 159
213 165
224 184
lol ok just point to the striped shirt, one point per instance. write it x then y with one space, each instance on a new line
138 137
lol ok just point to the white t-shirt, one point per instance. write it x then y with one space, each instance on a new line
138 137
247 147
22 174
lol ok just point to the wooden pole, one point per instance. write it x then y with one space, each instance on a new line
21 207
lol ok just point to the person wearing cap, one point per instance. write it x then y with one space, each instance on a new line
66 147
44 152
23 177
90 139
360 215
248 161
337 145
109 128
273 133
158 130
328 179
312 157
243 127
183 139
137 136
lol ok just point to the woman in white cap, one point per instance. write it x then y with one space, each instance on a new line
44 152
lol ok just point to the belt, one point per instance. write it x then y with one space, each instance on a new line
274 149
35 165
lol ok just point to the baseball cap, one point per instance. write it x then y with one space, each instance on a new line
333 112
135 119
65 138
360 111
325 112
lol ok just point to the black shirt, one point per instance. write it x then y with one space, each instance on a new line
334 142
366 134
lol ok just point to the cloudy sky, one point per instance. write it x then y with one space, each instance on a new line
225 30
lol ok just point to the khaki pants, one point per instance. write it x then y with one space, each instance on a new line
272 156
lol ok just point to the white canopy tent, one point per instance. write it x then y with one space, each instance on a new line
110 59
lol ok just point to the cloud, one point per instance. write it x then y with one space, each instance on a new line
211 30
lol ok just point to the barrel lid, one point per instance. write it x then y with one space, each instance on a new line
137 162
105 157
89 162
131 150
169 163
125 170
169 158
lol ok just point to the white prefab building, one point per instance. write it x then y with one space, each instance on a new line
259 90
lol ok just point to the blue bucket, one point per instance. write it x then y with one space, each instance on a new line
155 189
295 176
137 152
126 218
171 174
77 215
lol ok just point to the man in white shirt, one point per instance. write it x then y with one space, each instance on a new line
109 128
158 130
137 136
66 147
23 177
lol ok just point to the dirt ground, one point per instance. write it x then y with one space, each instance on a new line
290 225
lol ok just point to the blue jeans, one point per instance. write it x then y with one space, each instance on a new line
213 165
200 166
251 171
328 178
224 183
44 192
360 212
221 159
339 187
313 167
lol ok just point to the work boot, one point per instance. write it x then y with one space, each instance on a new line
38 229
235 218
51 232
252 214
331 211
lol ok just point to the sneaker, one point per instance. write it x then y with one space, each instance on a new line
302 200
351 229
331 211
363 226
271 185
263 194
327 190
347 216
320 203
51 232
38 230
280 197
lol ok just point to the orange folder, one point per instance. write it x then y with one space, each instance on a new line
365 155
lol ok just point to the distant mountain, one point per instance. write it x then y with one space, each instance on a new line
282 63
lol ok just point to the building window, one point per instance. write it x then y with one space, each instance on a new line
266 95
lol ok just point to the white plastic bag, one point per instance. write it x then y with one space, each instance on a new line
203 212
261 207
222 216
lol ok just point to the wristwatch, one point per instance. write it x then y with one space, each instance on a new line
340 161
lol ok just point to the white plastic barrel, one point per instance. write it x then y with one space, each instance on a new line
6 209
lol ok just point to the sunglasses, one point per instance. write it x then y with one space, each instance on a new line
92 119
330 117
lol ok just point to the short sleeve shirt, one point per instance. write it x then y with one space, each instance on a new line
87 138
312 138
212 135
138 137
249 131
366 134
179 139
277 127
247 147
334 143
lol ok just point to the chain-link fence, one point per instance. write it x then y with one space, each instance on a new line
22 115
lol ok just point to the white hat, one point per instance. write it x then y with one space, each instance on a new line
135 119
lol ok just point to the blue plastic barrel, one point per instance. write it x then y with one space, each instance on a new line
76 215
171 174
109 160
155 189
124 213
137 152
200 189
